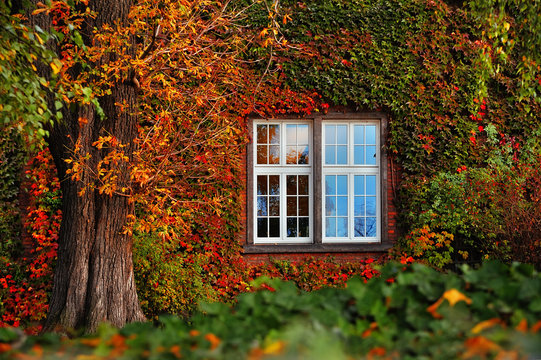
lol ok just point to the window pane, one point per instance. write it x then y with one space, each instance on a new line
359 230
371 227
262 154
302 154
274 134
262 227
274 184
358 208
371 134
330 185
291 206
302 134
274 225
330 206
342 154
303 184
291 227
330 134
358 134
291 134
274 154
371 155
261 206
261 185
303 205
370 184
274 205
342 227
303 227
291 184
342 134
342 206
358 156
330 154
359 185
291 155
330 227
371 206
261 134
342 184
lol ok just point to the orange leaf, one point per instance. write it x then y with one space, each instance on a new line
214 340
479 346
377 351
522 326
91 342
432 309
485 325
175 350
535 327
368 331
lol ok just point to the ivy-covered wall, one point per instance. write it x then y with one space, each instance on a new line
465 140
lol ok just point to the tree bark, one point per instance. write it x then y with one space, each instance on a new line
93 278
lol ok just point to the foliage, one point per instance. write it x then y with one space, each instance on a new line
169 280
11 161
23 104
26 276
412 312
513 27
492 211
462 136
426 244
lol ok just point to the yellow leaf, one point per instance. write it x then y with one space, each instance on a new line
275 348
454 296
56 68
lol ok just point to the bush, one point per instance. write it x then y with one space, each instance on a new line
407 313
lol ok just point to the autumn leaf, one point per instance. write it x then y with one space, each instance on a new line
479 346
214 340
454 296
486 325
275 348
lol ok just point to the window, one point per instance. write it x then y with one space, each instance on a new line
350 175
317 183
282 177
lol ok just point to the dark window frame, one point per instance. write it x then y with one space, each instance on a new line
318 246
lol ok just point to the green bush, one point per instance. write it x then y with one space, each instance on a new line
168 279
407 313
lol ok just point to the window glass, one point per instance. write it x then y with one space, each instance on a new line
268 144
365 206
336 205
297 206
268 206
297 149
336 148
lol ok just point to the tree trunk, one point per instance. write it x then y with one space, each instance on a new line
93 278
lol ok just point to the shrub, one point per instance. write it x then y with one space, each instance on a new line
407 313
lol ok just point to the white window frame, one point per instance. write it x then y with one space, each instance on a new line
282 169
316 171
350 169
